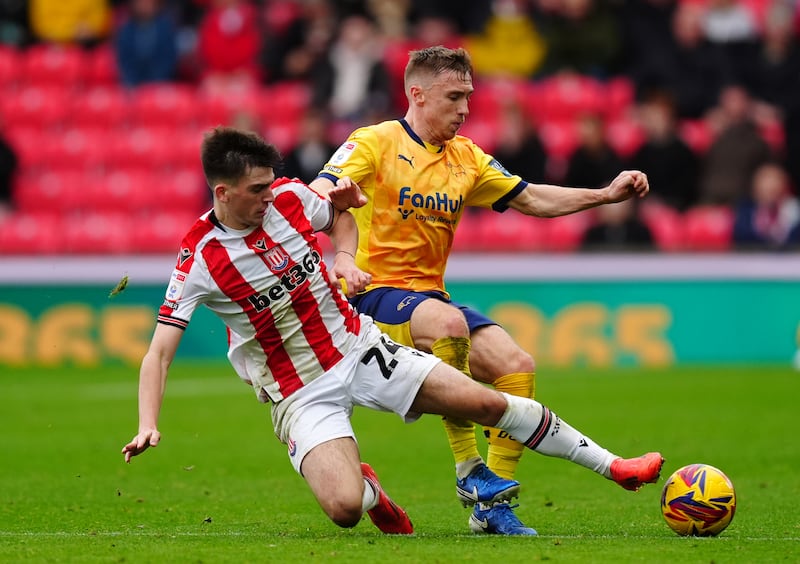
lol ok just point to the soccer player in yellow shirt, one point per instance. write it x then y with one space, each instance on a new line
418 176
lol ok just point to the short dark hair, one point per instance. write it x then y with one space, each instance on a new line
228 154
437 60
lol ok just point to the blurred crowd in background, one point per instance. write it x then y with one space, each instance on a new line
104 103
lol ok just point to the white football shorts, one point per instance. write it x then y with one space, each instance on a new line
379 374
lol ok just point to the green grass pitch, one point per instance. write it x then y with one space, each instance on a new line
219 488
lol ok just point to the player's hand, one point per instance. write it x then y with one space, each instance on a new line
627 184
140 443
346 194
346 276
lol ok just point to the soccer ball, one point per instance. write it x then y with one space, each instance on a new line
698 500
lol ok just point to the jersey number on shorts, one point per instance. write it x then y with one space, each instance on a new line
376 353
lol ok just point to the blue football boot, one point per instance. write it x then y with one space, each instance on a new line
498 519
484 486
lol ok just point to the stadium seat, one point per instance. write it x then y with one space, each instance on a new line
26 233
467 236
559 138
164 105
565 233
697 134
160 232
625 136
10 67
619 94
665 223
708 228
510 232
125 190
49 64
286 99
568 95
101 106
101 66
27 141
141 147
36 106
78 149
485 131
188 191
49 192
97 233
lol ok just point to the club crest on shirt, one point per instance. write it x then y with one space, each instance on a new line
276 258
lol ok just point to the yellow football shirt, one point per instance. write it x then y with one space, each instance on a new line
416 195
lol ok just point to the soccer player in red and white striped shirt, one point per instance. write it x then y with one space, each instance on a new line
254 260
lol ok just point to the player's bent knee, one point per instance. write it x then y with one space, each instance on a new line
490 408
345 515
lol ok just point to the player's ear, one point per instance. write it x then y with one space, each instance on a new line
221 192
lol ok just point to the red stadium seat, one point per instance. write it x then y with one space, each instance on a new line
697 134
101 106
467 236
289 100
27 142
141 147
511 232
97 233
485 131
188 192
568 95
50 64
78 149
123 191
625 136
49 192
160 232
101 66
25 233
36 106
11 67
565 233
665 223
164 104
708 228
619 94
560 138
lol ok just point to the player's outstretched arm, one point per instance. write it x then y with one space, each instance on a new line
546 200
343 195
152 382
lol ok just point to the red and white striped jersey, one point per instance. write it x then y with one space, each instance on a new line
287 324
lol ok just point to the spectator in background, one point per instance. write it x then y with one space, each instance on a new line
229 42
519 147
670 163
593 163
8 168
146 44
617 227
697 69
582 36
769 217
350 81
648 45
307 158
736 152
293 54
82 22
14 23
509 45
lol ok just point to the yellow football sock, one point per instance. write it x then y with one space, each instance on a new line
461 434
505 452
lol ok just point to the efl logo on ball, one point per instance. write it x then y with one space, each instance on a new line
698 500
